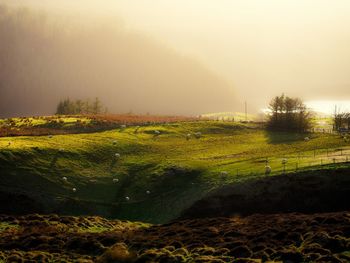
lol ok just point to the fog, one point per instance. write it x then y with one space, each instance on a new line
44 59
172 56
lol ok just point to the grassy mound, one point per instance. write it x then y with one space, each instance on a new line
68 124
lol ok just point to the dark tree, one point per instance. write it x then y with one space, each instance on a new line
341 121
289 114
96 106
60 108
68 107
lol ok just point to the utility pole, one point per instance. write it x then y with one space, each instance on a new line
245 110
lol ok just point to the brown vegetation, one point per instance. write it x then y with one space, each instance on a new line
257 238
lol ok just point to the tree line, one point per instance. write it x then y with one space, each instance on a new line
288 114
71 107
341 121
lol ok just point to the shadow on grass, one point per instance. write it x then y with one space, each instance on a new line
284 137
53 161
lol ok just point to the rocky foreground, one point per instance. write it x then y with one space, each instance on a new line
257 238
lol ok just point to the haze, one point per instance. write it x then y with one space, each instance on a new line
232 50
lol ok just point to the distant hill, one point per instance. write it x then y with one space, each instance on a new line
44 59
236 116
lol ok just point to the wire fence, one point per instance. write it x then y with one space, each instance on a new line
165 201
294 162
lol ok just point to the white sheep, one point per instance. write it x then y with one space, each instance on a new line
74 190
306 139
188 136
127 198
148 192
50 136
115 180
61 150
156 132
64 178
123 126
117 155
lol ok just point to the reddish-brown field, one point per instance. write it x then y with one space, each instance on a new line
257 238
83 124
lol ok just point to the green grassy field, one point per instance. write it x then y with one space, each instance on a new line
156 176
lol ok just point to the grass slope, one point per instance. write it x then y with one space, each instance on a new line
161 175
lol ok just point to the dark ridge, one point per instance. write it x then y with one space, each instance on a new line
305 192
17 204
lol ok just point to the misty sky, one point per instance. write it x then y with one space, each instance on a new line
261 48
